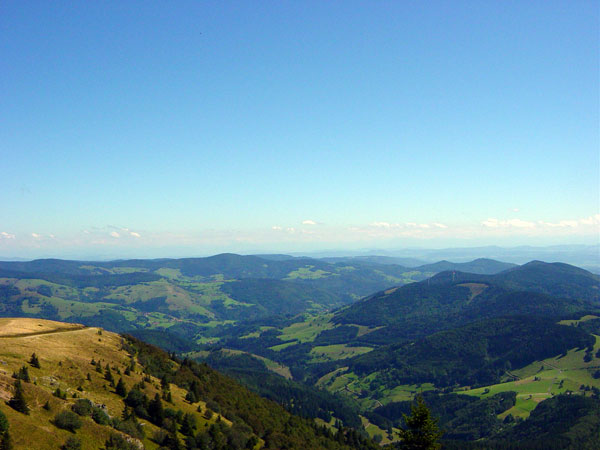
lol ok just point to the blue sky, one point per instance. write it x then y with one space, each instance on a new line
152 127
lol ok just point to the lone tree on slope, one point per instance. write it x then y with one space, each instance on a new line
18 402
421 431
34 361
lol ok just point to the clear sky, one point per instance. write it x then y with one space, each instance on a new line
168 128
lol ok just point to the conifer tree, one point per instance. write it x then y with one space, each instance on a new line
421 432
3 423
34 361
127 413
188 425
108 375
18 402
6 442
121 390
156 411
22 374
164 383
191 397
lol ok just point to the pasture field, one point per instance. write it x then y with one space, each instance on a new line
308 273
544 379
308 330
335 352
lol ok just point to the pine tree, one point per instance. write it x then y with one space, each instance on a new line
22 374
188 425
34 361
421 432
191 397
60 394
121 390
6 442
18 402
156 411
108 375
127 413
3 423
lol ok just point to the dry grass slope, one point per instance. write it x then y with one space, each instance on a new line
65 352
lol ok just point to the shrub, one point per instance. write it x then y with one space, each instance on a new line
131 427
100 417
67 420
118 442
72 443
83 407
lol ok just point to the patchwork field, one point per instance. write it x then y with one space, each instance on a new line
544 379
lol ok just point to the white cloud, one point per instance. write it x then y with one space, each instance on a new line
134 234
512 223
491 223
542 227
290 230
520 223
309 222
36 236
381 225
276 228
5 235
592 220
439 225
561 224
115 234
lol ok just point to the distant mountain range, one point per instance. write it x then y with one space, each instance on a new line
133 294
585 256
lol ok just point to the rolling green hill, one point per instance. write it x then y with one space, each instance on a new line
188 297
483 266
556 279
455 298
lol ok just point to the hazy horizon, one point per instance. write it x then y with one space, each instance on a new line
585 256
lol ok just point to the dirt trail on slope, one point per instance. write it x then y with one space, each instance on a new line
75 327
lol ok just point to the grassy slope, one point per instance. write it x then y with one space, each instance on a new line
65 357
